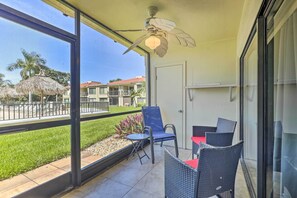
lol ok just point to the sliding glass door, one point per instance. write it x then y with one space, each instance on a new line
282 141
250 109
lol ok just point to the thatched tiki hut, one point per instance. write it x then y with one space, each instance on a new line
40 85
7 93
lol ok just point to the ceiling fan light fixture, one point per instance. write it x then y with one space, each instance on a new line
152 42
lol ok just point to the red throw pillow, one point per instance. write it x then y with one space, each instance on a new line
193 163
197 140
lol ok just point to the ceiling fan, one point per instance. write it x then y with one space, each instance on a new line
158 31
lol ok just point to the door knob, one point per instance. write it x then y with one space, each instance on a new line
180 111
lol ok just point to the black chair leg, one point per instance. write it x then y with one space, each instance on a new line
232 193
176 147
161 144
192 150
152 152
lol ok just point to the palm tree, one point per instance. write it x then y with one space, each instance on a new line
137 93
4 82
29 66
1 79
33 64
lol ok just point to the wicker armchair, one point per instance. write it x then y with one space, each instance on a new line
209 179
213 135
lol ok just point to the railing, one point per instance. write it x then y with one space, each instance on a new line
17 111
83 94
126 92
113 93
93 107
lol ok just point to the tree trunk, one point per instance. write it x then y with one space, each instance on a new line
30 97
41 99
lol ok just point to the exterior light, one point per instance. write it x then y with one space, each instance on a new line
152 42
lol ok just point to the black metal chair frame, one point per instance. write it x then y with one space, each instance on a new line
153 126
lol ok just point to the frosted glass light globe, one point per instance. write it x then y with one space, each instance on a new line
152 42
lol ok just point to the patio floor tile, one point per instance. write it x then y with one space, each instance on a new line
39 172
90 159
86 189
48 176
134 193
108 188
16 190
62 163
153 181
129 176
130 179
13 182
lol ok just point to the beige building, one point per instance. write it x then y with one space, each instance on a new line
120 92
90 91
117 93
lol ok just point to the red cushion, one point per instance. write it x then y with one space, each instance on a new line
197 140
193 163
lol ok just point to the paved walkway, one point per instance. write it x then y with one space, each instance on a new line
28 180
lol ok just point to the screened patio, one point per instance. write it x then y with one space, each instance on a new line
212 59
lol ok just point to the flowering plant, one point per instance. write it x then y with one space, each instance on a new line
131 124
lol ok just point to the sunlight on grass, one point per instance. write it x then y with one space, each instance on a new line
21 152
116 109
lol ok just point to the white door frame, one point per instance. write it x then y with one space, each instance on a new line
184 76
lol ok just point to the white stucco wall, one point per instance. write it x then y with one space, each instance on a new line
212 62
249 14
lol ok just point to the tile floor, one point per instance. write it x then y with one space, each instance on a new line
129 179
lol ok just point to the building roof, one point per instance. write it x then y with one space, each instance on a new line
90 84
137 79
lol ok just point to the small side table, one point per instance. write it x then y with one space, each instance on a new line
137 140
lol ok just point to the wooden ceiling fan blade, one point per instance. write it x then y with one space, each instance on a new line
137 42
163 24
183 38
161 50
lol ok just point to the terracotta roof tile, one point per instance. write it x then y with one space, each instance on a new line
128 81
89 84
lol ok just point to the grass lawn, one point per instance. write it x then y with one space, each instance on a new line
21 152
115 109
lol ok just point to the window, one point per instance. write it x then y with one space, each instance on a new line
139 87
103 100
92 90
41 151
102 61
47 12
103 90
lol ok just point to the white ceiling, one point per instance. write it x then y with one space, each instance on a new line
204 20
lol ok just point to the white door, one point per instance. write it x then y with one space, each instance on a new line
169 97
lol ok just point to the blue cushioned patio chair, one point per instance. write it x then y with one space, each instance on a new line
215 174
153 126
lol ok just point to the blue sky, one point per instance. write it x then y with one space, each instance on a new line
101 57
